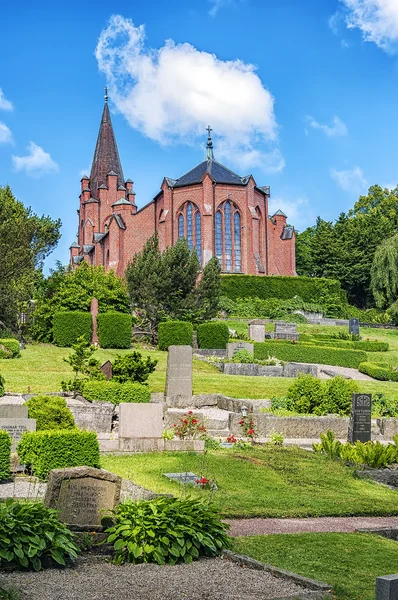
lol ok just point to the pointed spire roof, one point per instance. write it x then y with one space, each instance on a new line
106 155
209 145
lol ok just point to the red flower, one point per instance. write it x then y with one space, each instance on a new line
190 412
194 421
241 422
250 432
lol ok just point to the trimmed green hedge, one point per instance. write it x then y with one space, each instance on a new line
111 391
114 330
296 352
43 451
68 326
366 346
380 372
50 412
213 335
310 289
5 455
9 348
175 333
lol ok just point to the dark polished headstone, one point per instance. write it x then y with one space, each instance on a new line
354 326
361 418
387 587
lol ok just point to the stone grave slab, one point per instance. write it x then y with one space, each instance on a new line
16 427
179 373
232 347
140 420
82 495
361 418
257 332
13 411
184 478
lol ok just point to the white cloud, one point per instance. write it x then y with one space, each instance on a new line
217 4
171 94
297 209
36 163
377 19
4 103
5 134
336 130
350 181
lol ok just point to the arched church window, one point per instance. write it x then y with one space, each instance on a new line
190 226
228 237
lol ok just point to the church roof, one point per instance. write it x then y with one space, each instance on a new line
122 201
106 155
279 213
218 172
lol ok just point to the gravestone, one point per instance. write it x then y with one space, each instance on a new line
387 587
257 331
179 373
82 495
14 419
361 418
94 314
106 368
285 331
184 478
354 326
138 420
232 347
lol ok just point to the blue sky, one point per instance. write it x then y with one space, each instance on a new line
303 95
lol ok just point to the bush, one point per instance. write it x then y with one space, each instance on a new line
373 454
306 394
68 326
43 451
166 530
2 384
114 330
132 367
213 334
175 333
384 406
242 356
9 348
32 536
5 455
50 412
337 398
112 391
296 352
380 372
366 345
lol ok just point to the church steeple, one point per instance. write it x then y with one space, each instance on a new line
106 155
209 147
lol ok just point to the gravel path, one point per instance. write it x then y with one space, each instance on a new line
241 527
345 371
208 579
23 488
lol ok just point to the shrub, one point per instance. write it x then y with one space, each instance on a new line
43 451
296 352
2 384
306 393
50 412
5 455
175 333
380 372
68 326
83 363
9 348
32 536
242 356
166 530
132 367
114 330
366 346
112 391
213 334
383 406
373 454
337 396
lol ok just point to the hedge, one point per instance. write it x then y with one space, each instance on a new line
68 326
213 335
43 451
292 351
380 372
5 455
175 333
310 289
50 412
114 330
9 348
111 391
366 346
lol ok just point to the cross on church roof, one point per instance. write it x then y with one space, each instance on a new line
209 130
209 147
106 94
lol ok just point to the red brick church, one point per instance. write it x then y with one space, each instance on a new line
216 210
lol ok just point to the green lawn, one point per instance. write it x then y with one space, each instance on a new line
270 482
350 562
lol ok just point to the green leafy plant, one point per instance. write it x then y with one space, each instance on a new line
276 438
42 451
298 352
337 398
5 454
9 348
242 356
84 365
306 393
114 329
383 406
175 333
328 445
166 531
114 392
372 454
132 368
378 371
50 412
212 443
31 535
70 326
189 427
2 384
168 434
213 334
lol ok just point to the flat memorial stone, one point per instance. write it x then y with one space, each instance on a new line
184 478
16 427
82 495
138 420
13 411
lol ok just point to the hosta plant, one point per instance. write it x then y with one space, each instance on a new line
166 530
31 535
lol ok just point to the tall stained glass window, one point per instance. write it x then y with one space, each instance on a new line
237 244
189 226
181 226
219 237
198 236
228 237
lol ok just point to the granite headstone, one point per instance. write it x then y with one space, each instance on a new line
360 427
387 587
257 332
179 373
233 347
354 326
14 419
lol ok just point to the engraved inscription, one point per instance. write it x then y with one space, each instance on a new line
82 501
361 418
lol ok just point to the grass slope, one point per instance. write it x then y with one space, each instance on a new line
350 562
270 482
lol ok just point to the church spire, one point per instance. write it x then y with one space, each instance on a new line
106 155
209 147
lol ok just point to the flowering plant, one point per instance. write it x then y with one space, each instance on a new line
205 483
189 427
247 425
231 439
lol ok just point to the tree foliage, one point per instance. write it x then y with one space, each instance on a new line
384 272
25 241
163 285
